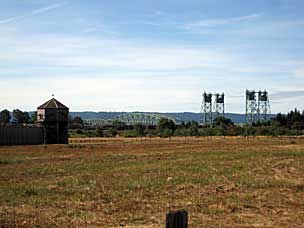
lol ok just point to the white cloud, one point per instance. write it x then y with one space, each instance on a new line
152 23
33 13
106 55
100 29
287 94
91 73
209 23
109 54
126 92
48 8
145 58
11 19
116 93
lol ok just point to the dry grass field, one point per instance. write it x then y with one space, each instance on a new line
222 182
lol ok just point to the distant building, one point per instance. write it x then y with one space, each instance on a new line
54 116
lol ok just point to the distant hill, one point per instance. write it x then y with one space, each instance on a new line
183 116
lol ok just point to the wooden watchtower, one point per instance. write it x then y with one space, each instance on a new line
54 116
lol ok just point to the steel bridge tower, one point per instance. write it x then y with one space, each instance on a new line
206 108
251 107
263 106
257 106
219 105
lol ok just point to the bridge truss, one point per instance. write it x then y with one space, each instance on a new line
133 118
146 119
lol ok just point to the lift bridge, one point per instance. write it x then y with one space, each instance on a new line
133 118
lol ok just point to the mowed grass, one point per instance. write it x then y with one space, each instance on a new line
222 182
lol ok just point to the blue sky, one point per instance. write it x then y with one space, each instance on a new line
155 55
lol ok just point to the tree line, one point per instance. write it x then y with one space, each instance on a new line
18 117
291 123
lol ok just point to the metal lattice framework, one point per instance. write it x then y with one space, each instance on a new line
257 106
134 118
98 122
219 105
213 106
206 108
263 105
251 107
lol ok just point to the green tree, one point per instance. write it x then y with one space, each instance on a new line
78 120
249 131
33 118
281 119
193 130
166 133
293 116
21 117
166 124
139 130
181 131
99 132
191 124
118 125
166 127
79 132
113 131
222 121
5 117
233 130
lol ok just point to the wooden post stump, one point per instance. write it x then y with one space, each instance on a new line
177 219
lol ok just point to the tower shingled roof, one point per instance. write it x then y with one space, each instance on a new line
52 104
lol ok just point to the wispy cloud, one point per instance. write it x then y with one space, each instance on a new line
100 29
289 23
48 8
151 23
116 53
210 23
133 93
33 13
8 20
282 95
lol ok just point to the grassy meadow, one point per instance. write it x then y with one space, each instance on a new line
222 182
